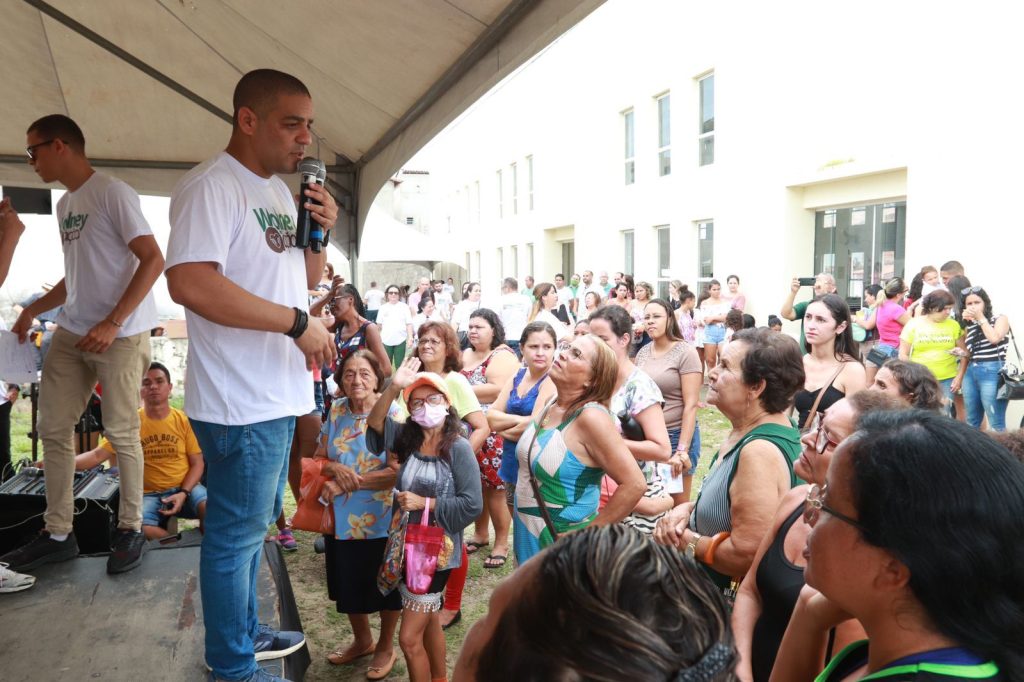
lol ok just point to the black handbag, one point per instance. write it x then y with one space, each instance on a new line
1011 379
631 429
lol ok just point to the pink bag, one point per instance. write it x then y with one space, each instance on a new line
422 545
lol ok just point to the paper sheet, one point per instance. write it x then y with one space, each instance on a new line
17 360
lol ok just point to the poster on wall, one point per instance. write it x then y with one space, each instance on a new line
828 263
856 288
888 264
857 265
858 216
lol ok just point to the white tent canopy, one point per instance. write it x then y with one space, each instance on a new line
150 81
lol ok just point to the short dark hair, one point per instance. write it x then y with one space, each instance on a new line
734 319
936 301
59 127
538 328
916 384
558 274
510 283
616 317
953 267
748 321
912 493
163 368
258 90
492 319
776 360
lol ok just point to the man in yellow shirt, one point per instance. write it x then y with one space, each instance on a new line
173 460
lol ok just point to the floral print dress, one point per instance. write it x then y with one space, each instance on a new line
489 456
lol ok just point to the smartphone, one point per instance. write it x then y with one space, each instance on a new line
807 281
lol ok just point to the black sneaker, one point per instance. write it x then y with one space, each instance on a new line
42 550
129 546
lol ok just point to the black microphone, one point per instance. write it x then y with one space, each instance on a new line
309 232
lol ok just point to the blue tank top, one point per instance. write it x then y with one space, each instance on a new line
521 407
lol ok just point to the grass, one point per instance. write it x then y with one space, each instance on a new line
326 629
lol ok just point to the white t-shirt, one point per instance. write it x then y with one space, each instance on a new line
223 213
97 222
564 296
562 331
374 297
581 293
460 315
514 311
393 318
443 302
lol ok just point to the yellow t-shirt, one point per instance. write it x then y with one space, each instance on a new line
166 444
930 344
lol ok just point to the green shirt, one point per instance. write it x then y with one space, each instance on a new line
800 309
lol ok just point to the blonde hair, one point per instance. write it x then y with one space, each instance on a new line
539 292
604 371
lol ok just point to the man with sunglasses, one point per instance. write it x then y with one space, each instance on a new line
111 261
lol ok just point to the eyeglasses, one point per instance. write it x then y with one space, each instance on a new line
31 149
434 399
430 342
821 439
969 290
815 504
574 352
392 293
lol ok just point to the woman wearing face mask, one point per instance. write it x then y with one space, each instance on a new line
436 463
912 384
546 309
985 339
360 492
637 399
831 367
713 310
438 351
673 365
487 364
566 449
931 340
511 410
463 309
916 535
769 592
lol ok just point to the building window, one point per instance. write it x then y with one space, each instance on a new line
629 261
409 220
501 192
476 195
627 123
664 261
529 260
705 251
515 262
664 136
468 271
859 246
501 264
476 272
568 257
515 190
706 136
529 182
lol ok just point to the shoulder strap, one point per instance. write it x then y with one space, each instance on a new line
534 483
821 393
1013 340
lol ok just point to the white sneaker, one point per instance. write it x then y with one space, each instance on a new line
11 581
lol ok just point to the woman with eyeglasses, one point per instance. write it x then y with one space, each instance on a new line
569 445
922 550
986 342
395 321
936 341
770 589
435 463
752 386
637 405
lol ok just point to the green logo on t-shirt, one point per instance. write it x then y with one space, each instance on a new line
277 228
71 227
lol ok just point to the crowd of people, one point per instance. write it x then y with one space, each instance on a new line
848 527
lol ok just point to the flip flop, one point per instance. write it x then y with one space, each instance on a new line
472 547
375 673
499 559
339 657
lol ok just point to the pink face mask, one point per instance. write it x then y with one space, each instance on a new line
430 416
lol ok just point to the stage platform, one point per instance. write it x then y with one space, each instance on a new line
78 623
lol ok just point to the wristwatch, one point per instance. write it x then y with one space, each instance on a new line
691 546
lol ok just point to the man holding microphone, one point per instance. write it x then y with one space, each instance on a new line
231 264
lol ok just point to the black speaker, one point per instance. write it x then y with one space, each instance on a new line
23 501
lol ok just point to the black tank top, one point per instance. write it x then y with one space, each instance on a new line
804 401
779 581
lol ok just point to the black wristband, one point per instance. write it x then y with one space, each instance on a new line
188 493
300 324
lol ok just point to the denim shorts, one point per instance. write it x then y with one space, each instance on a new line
665 470
714 333
151 506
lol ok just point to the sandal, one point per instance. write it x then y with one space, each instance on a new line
495 561
472 547
340 657
375 673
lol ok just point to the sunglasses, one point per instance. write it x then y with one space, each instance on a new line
970 290
31 149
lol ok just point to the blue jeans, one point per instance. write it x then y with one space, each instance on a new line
980 384
666 469
246 469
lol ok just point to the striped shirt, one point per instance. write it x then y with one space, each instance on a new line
980 348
